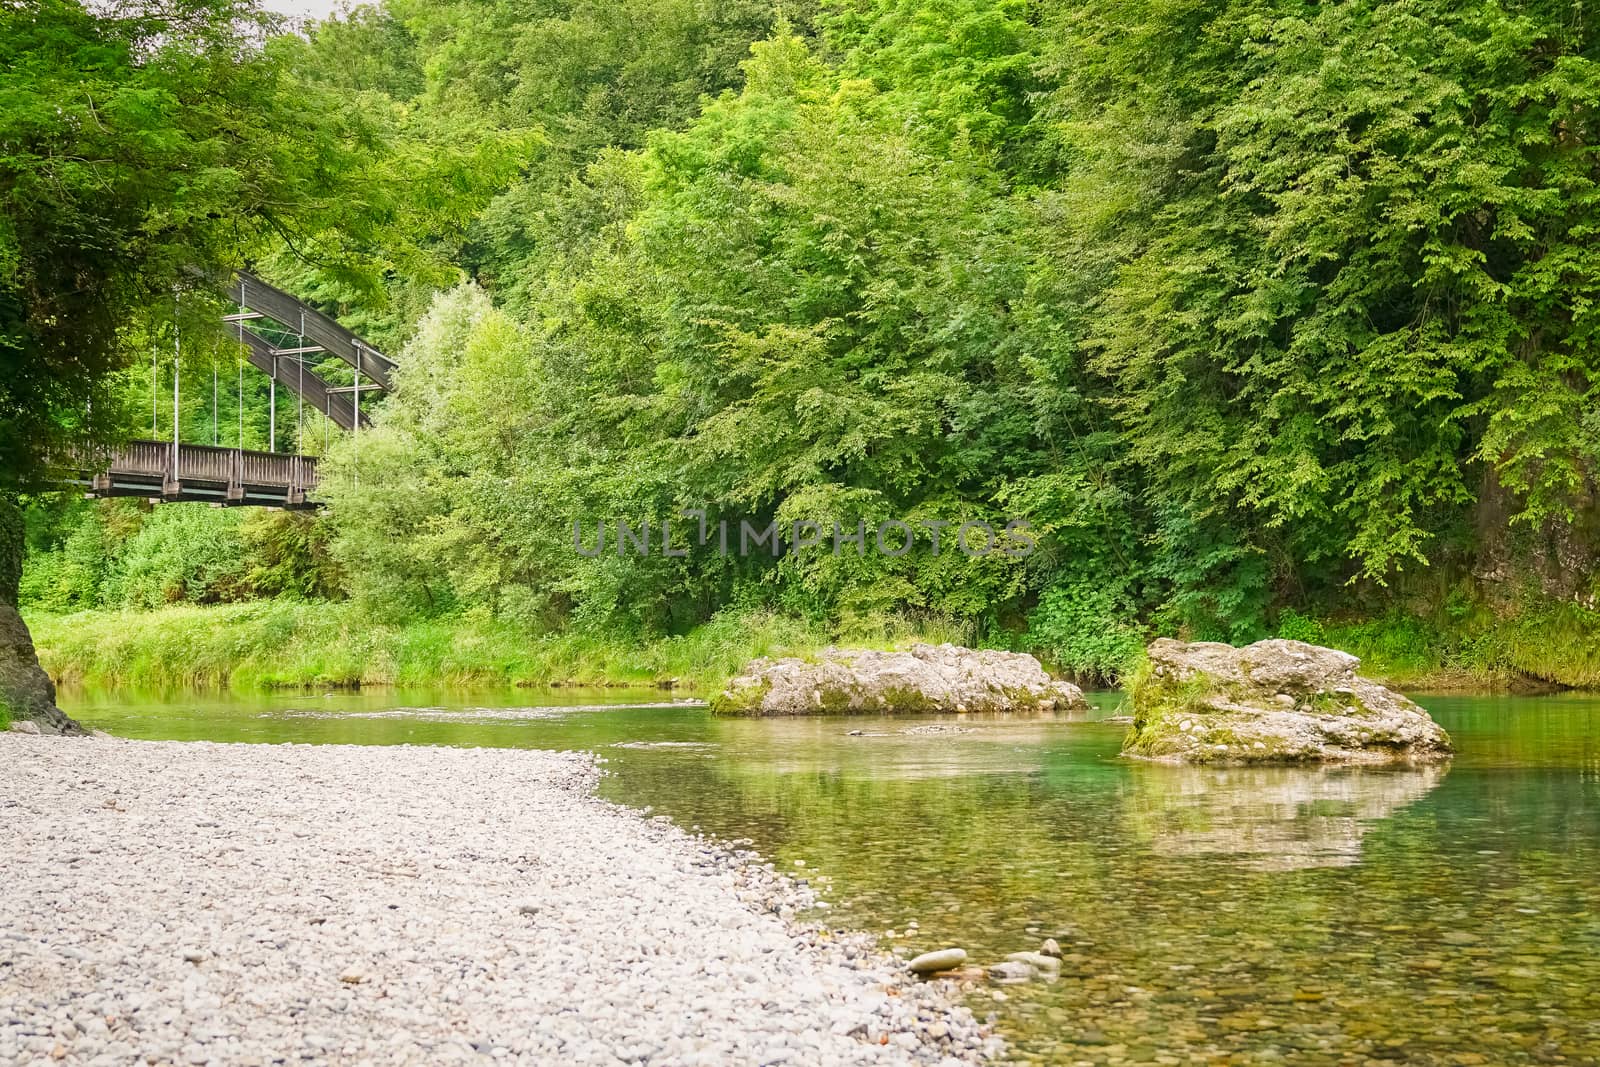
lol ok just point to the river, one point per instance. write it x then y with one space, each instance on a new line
1446 915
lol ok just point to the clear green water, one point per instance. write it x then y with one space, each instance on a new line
1299 916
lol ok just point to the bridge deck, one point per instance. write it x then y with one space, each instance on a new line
226 476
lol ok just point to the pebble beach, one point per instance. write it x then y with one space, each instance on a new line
195 903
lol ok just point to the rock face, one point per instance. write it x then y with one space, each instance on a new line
1274 701
927 679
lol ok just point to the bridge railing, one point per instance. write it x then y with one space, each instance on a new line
265 468
198 472
152 458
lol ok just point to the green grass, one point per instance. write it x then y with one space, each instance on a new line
1475 647
1155 701
1558 644
286 644
282 644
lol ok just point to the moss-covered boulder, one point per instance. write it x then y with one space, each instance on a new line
1274 701
929 679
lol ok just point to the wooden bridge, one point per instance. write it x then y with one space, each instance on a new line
162 470
174 471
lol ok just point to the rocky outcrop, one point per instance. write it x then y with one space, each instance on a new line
1274 701
926 680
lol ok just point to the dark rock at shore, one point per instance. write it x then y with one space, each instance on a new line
25 689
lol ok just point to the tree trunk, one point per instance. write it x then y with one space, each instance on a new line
26 691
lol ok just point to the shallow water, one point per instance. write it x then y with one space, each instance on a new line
1448 915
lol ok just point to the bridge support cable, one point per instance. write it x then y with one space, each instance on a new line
239 359
272 408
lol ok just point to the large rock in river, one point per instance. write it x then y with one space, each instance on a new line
1274 701
927 679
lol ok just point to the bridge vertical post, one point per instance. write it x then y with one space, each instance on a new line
300 389
294 494
272 408
169 486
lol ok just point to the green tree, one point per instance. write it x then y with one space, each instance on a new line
1351 281
790 310
138 144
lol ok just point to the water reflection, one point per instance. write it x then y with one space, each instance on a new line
1270 818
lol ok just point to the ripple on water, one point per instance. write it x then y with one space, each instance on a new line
466 714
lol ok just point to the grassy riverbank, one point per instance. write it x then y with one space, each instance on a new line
280 644
1554 645
274 644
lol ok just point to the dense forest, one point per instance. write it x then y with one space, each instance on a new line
1267 316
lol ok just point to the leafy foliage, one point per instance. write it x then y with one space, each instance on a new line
1249 307
122 554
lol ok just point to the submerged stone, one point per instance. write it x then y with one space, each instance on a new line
1010 971
928 679
944 959
1276 701
1037 960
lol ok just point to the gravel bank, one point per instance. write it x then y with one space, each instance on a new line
239 904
